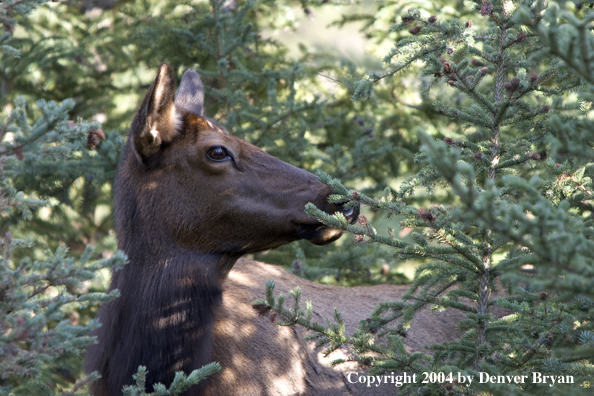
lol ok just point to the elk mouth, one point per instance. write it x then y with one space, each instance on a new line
320 234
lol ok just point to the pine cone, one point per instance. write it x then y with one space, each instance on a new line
515 82
486 8
533 77
426 214
19 154
95 136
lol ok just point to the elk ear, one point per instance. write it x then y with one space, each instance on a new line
190 96
156 120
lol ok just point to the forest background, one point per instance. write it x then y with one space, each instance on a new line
423 111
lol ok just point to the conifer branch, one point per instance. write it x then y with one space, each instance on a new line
334 335
471 90
515 161
291 112
460 250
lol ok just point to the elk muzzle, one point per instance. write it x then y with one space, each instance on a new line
320 234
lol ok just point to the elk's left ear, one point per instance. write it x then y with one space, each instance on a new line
156 120
190 95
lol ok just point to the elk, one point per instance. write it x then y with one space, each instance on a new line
190 200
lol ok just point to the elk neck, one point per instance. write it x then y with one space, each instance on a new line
167 309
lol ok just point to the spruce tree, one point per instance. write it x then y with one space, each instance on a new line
517 169
40 292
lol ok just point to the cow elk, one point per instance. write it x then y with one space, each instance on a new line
190 200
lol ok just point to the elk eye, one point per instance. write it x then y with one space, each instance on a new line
218 153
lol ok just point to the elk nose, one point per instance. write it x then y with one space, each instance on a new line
350 213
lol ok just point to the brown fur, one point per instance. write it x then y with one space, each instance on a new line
259 358
184 219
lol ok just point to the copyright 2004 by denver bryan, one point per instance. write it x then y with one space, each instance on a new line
400 379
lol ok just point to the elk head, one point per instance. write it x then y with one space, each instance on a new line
184 180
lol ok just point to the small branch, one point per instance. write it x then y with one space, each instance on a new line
580 186
105 157
475 94
6 6
459 250
50 126
516 161
585 51
281 118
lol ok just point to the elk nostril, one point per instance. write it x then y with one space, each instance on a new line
352 213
